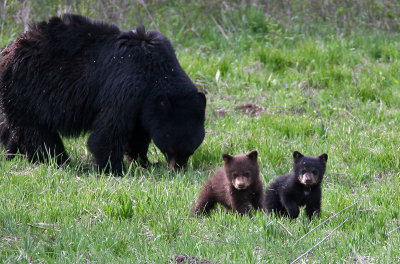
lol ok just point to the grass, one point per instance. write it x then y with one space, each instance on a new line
315 91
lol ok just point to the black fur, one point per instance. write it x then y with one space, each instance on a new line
287 192
71 75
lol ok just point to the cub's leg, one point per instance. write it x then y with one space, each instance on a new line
206 201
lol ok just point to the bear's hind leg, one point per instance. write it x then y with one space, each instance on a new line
205 203
7 138
257 200
40 145
272 202
203 207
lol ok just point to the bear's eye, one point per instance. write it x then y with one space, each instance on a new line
246 174
315 172
235 175
303 171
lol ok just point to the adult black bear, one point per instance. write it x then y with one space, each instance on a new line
235 186
301 187
71 75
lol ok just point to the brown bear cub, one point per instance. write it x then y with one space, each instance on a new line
301 187
235 186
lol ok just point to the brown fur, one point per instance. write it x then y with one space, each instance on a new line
235 186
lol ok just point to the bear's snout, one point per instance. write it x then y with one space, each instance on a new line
172 164
176 163
308 178
241 183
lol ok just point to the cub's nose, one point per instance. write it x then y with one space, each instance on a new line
308 180
241 185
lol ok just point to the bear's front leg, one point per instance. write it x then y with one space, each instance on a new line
313 204
313 208
312 211
137 146
242 208
107 149
291 207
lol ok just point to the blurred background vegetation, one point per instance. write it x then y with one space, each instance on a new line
188 21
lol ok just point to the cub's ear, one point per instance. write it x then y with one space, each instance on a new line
227 158
297 155
202 99
324 157
163 102
253 155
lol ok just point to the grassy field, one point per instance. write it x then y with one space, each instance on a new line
271 85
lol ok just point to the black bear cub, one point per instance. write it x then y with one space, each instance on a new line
235 186
301 187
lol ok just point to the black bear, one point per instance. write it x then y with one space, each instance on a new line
301 187
235 186
72 75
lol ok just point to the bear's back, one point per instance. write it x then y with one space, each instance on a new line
66 35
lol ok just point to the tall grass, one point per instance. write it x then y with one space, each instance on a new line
321 76
190 20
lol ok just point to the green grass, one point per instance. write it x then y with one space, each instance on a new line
319 92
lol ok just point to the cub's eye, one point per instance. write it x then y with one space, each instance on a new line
303 171
235 175
315 172
246 174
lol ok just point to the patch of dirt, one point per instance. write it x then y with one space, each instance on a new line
250 109
362 259
219 112
297 111
383 174
191 260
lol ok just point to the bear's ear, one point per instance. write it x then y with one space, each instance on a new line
253 155
163 102
227 158
323 157
202 99
297 155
